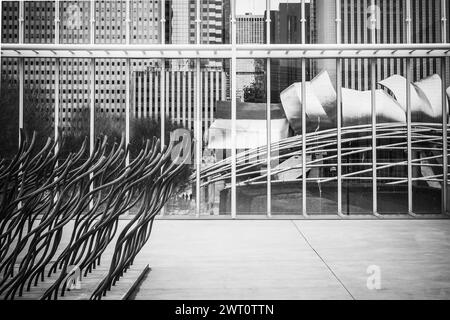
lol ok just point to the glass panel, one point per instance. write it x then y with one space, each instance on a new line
10 21
356 137
356 18
286 17
145 23
74 21
9 112
426 128
145 106
110 25
220 15
74 115
39 100
392 153
426 21
110 98
286 171
179 92
39 21
250 22
321 127
447 84
180 20
215 104
74 110
251 189
448 133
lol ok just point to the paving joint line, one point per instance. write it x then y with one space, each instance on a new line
320 257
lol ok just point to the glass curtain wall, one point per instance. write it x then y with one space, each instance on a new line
426 135
39 99
214 105
9 108
286 158
389 163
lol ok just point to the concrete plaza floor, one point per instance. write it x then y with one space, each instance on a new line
296 259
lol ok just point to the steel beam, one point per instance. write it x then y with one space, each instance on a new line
339 108
268 117
373 67
127 82
21 63
233 108
198 113
201 51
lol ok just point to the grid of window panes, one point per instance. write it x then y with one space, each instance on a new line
359 164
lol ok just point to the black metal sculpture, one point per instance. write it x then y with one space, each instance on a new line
43 196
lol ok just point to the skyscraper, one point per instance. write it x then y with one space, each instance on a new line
390 28
250 28
110 27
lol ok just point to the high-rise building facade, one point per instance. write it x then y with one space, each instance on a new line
180 94
250 28
390 28
110 28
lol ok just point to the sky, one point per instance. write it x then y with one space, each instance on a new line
259 6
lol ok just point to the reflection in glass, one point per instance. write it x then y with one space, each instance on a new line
286 160
10 22
74 115
110 16
426 127
39 99
145 24
39 21
9 109
215 106
321 148
251 123
74 26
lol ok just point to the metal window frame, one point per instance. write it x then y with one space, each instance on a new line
268 117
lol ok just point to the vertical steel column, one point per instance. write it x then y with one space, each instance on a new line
198 114
408 108
92 93
444 20
374 22
444 137
21 71
304 185
339 107
92 81
233 108
268 117
163 74
303 22
127 82
57 84
162 83
444 112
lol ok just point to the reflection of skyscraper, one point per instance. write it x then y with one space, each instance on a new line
355 15
286 28
391 28
110 27
250 28
181 26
